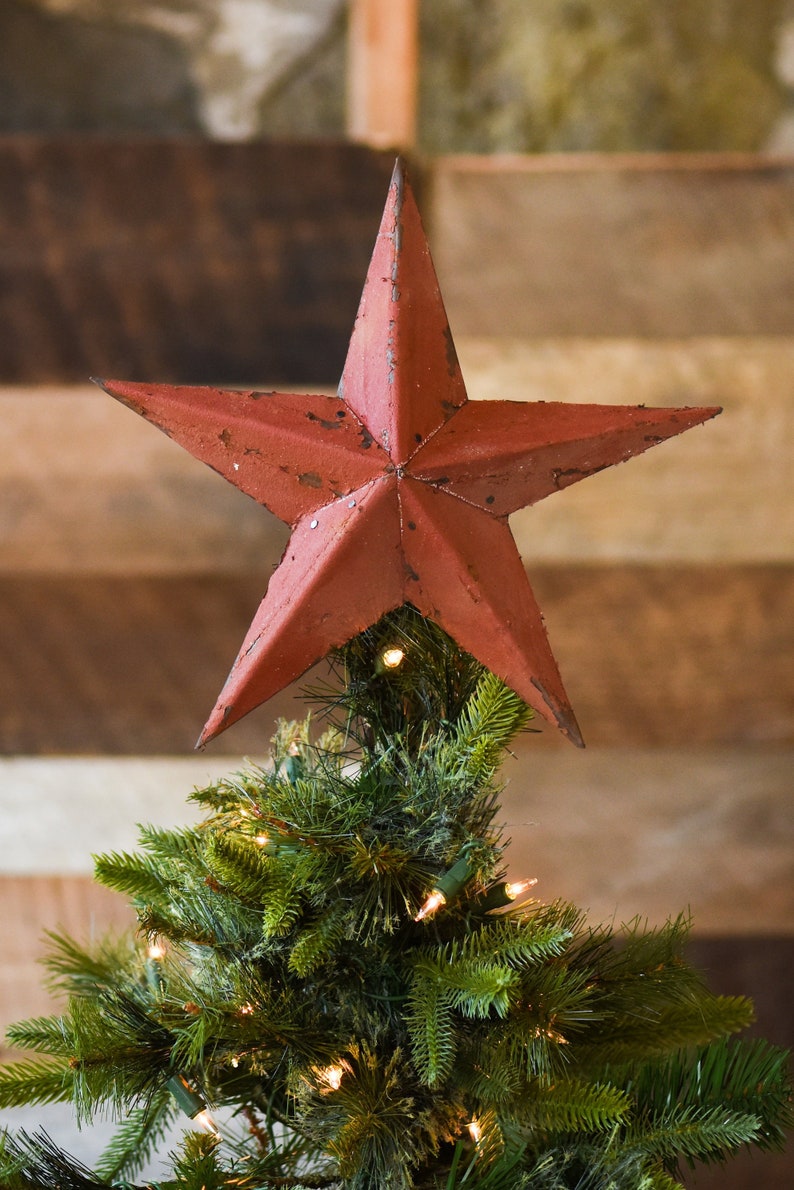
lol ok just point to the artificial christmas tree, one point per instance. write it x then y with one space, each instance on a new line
334 956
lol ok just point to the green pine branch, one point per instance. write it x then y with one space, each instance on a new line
703 1134
571 1105
77 970
432 1029
139 877
748 1077
35 1082
44 1035
136 1137
34 1162
357 1046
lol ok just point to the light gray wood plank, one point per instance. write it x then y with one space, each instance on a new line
617 831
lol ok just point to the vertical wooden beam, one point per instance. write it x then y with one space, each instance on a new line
382 72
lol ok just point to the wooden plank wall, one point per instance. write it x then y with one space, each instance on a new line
129 573
182 260
657 281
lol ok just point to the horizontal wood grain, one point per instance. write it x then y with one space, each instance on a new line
650 655
182 259
620 831
86 486
196 261
735 963
722 492
603 245
31 905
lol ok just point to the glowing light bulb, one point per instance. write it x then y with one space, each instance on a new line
247 1010
235 1062
475 1131
518 887
262 840
550 1034
392 658
205 1121
332 1077
153 968
191 1103
433 902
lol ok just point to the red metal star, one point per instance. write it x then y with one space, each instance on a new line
398 490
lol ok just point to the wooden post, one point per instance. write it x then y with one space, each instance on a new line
382 72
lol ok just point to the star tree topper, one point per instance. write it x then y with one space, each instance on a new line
398 490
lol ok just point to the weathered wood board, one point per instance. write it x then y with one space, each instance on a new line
86 486
621 831
182 259
35 903
604 244
650 655
129 573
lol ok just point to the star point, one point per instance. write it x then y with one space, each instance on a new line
398 490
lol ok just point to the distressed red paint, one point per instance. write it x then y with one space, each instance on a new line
398 490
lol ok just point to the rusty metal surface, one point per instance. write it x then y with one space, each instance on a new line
398 490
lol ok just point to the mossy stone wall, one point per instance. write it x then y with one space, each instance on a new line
604 75
496 75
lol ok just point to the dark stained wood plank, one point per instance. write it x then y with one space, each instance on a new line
589 244
651 655
674 654
183 260
761 969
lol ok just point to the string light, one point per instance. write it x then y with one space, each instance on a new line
475 1131
388 659
192 1104
505 893
251 810
331 1076
292 765
448 885
205 1121
155 953
550 1035
272 845
433 902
